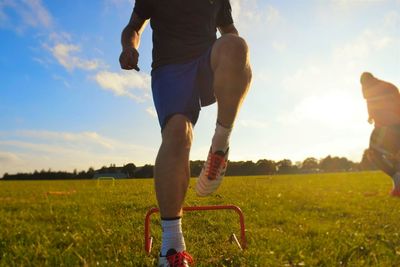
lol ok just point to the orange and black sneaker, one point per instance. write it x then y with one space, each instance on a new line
212 173
175 259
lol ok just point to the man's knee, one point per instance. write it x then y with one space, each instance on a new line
178 132
230 50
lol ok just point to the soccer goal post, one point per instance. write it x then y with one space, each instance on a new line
105 178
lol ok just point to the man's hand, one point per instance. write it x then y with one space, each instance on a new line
129 59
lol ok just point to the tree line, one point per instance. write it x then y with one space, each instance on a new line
235 168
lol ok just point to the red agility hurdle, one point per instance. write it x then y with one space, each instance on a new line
148 240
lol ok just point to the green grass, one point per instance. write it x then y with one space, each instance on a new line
344 219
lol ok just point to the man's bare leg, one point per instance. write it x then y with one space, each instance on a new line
232 77
388 166
384 165
172 174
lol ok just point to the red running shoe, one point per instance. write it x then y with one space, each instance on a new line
395 192
212 173
175 259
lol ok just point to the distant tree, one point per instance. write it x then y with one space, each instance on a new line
327 164
147 171
286 166
335 164
90 172
366 164
298 164
309 164
112 168
248 168
81 175
129 169
195 167
236 168
103 169
264 166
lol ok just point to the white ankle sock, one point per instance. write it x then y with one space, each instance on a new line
220 141
172 236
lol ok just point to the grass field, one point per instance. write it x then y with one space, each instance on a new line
344 219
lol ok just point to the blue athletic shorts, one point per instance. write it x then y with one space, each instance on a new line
183 88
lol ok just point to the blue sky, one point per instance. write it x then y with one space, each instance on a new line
65 104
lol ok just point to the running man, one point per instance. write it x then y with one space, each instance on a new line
383 102
191 68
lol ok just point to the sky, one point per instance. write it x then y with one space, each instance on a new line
65 103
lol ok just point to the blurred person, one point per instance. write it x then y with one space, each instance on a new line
383 102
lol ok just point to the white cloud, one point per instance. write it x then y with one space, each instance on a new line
45 62
38 147
59 37
3 16
33 14
236 8
353 11
75 139
336 110
7 157
64 53
251 123
392 19
263 26
306 80
63 80
340 70
30 13
123 83
355 3
29 150
120 3
358 51
37 14
279 46
326 110
253 15
272 15
151 111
